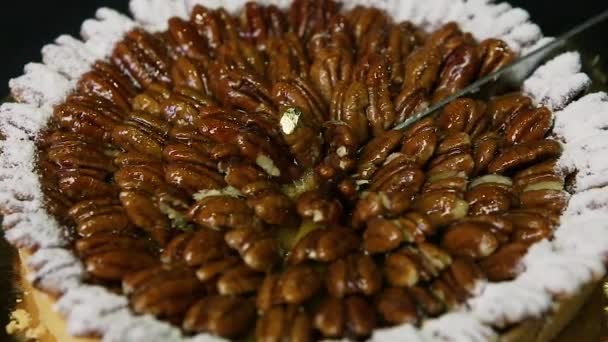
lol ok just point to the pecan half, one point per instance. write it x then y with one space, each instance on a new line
351 316
288 323
354 274
225 316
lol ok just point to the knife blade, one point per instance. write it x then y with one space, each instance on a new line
514 74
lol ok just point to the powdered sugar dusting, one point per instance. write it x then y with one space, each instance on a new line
558 82
40 85
569 261
154 14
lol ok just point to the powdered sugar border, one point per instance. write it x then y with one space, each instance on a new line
91 309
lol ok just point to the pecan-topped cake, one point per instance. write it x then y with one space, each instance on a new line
222 169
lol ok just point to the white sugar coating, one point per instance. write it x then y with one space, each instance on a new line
39 86
108 27
543 258
24 117
558 82
154 14
588 202
582 118
99 311
399 333
85 316
141 328
511 301
587 235
587 156
55 269
457 326
68 56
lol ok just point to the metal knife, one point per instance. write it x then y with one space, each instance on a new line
513 75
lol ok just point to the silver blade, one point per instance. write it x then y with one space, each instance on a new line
514 74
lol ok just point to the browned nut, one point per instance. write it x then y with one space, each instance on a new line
294 286
196 248
223 212
453 181
401 270
501 108
376 204
258 247
441 207
383 235
113 262
166 292
302 135
485 149
220 315
376 152
548 196
455 141
505 263
351 316
422 69
525 153
399 174
464 115
470 240
461 277
239 280
427 301
459 70
354 274
142 211
396 306
490 194
349 104
455 160
494 54
318 207
324 245
528 125
420 141
284 323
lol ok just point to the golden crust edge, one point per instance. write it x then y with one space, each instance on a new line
40 306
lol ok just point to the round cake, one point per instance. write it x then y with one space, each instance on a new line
211 170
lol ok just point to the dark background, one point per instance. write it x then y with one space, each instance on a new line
27 25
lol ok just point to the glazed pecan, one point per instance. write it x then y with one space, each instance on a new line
459 70
383 235
240 89
464 115
426 300
309 16
143 57
106 81
490 194
470 239
349 105
91 116
353 274
163 291
215 26
370 26
324 245
410 265
380 204
401 42
457 282
196 248
494 55
452 181
541 174
331 67
317 206
381 111
99 215
302 136
505 263
501 108
485 148
298 93
295 285
223 212
531 225
376 152
144 213
260 23
525 154
441 207
288 323
420 141
410 103
528 125
238 280
286 59
110 257
142 132
396 306
185 40
270 204
351 316
150 100
422 69
192 73
225 316
398 174
258 248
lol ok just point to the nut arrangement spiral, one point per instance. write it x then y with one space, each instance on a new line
239 175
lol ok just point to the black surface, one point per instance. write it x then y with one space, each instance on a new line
25 26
